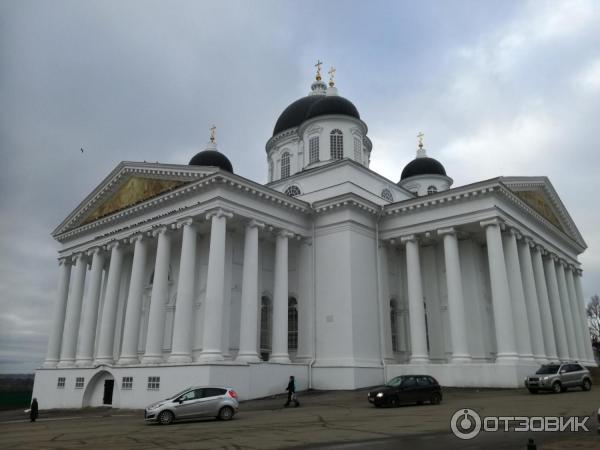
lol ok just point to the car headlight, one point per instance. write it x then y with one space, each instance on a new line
380 394
545 378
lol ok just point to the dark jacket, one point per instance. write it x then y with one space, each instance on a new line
33 413
291 387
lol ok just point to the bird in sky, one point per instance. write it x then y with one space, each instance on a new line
81 150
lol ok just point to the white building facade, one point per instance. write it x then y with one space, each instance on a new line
178 275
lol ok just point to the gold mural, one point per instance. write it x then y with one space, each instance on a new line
537 201
135 190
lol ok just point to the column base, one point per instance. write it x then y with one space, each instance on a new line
248 357
179 358
103 361
541 359
281 359
527 358
461 359
66 363
419 359
127 360
152 359
507 358
84 362
50 364
210 356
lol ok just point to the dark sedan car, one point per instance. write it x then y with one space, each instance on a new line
407 389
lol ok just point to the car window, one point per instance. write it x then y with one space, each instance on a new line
191 395
213 392
576 367
409 382
423 381
396 381
548 369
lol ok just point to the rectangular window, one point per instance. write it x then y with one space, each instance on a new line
61 383
357 150
79 383
153 383
127 383
313 149
336 144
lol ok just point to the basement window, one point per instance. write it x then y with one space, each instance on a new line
79 382
153 383
61 383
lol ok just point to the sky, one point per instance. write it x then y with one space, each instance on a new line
498 88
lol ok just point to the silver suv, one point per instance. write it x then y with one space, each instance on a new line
219 402
558 377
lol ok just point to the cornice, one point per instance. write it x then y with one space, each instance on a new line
349 200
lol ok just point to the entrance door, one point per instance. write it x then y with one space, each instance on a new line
108 392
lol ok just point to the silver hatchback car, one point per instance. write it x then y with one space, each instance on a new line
219 402
558 377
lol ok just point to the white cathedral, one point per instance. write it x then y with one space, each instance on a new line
177 275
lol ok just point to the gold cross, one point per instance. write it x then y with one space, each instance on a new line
318 66
213 133
331 75
420 136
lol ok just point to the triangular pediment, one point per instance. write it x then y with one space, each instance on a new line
539 194
130 184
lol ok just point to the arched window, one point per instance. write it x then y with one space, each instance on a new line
285 165
357 150
292 191
313 149
387 195
431 190
292 324
336 144
394 324
266 319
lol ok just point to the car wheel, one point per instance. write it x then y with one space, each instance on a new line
587 384
533 391
435 399
165 417
393 402
225 413
556 387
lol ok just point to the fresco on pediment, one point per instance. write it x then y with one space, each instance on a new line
537 200
134 191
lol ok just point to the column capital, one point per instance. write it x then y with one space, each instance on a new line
552 256
514 231
306 241
446 231
409 238
112 244
529 241
563 262
218 213
159 230
79 255
252 223
284 233
137 237
578 271
185 222
64 261
94 251
495 221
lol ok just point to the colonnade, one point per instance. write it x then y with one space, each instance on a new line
537 300
70 327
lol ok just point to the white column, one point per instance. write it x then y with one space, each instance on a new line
501 303
215 288
531 301
60 308
106 341
586 329
544 305
280 300
73 314
384 304
566 308
456 306
158 298
577 325
248 349
306 302
133 312
562 348
517 295
183 331
87 330
416 309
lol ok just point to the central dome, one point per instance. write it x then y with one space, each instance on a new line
313 106
423 166
212 158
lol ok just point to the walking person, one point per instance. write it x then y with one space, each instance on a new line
291 390
33 412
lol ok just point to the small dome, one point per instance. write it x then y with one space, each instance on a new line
293 115
332 105
212 158
423 166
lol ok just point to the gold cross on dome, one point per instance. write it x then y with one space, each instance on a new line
213 133
420 136
331 75
318 66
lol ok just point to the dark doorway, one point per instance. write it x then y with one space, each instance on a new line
108 392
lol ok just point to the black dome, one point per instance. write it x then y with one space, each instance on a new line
313 106
423 166
293 115
332 104
212 158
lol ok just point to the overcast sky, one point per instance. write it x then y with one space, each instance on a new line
499 88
